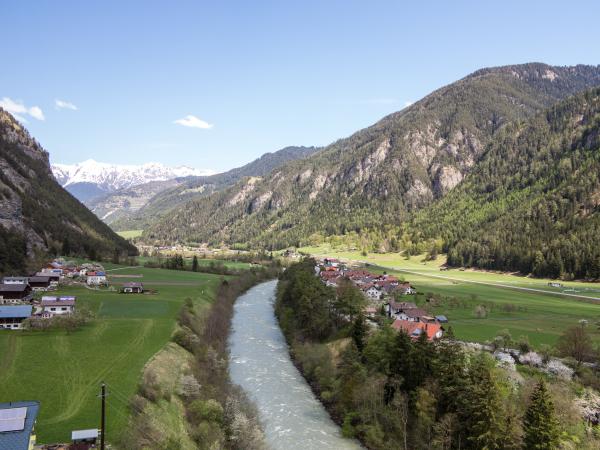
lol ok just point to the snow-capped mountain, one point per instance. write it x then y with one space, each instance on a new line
90 178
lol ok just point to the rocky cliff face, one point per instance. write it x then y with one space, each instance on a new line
35 209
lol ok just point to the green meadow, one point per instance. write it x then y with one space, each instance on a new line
130 234
64 370
541 315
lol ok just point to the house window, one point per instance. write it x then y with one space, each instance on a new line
52 309
64 308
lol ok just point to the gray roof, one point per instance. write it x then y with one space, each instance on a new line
19 440
15 312
39 279
84 434
13 287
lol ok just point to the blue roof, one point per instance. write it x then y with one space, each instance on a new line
19 440
15 312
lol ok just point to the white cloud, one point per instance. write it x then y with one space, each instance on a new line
19 110
63 104
193 122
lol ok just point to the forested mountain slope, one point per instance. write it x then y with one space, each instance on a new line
382 174
533 202
36 214
180 191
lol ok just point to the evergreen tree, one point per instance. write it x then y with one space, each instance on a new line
359 332
540 424
195 264
483 413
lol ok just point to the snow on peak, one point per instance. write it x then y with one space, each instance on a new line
112 177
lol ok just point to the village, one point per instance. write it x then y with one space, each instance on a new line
26 302
384 294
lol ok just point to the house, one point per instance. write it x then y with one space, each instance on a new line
12 317
84 439
17 425
371 311
53 277
395 308
13 293
415 315
132 288
372 292
96 278
55 306
39 283
406 289
15 280
415 329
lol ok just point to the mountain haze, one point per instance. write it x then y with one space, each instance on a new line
155 200
382 174
36 214
90 179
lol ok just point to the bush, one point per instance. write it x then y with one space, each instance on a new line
206 410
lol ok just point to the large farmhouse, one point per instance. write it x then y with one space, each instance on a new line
13 293
12 317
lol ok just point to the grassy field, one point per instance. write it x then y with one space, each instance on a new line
63 371
541 315
130 234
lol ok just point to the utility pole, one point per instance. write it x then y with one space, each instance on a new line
103 415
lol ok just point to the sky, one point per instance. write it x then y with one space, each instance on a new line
213 85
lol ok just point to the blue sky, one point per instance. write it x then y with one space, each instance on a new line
255 76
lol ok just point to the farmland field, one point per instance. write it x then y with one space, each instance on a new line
64 370
525 306
130 234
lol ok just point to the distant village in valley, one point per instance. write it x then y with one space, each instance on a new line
26 302
385 298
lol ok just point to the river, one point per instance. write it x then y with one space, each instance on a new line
293 418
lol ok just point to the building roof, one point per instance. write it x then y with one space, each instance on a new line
92 433
11 417
402 305
133 284
15 312
415 312
414 329
47 274
39 279
441 318
60 301
13 287
18 279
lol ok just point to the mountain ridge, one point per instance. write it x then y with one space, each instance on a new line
90 178
383 173
36 214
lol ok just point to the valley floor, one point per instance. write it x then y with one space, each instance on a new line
525 306
64 370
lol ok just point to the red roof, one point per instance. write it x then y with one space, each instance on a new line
414 329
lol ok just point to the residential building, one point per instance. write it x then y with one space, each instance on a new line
53 278
415 329
15 280
414 315
372 292
17 425
96 278
12 317
39 283
55 306
132 288
13 293
395 308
